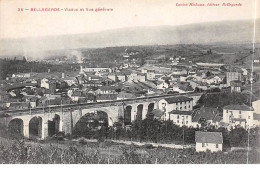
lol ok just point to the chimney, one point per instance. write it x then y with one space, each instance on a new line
81 70
62 75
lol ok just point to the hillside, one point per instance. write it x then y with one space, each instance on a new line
203 33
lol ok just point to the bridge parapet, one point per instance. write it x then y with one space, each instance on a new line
94 105
70 114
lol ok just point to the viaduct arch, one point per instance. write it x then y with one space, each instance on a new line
64 118
15 126
35 126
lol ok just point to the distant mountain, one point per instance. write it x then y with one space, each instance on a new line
202 33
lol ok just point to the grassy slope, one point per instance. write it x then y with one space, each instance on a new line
70 152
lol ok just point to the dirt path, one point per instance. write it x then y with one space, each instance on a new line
143 143
153 144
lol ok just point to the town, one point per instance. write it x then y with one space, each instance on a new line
129 82
201 103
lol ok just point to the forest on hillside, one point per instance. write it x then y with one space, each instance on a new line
9 67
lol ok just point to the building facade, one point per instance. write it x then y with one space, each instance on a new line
211 141
233 76
181 103
238 115
181 118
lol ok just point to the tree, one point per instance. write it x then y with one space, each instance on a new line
150 116
167 81
216 90
118 90
142 62
24 59
238 137
197 89
224 81
118 129
203 122
208 74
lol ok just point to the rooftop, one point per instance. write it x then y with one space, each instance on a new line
208 137
157 113
235 69
208 113
106 97
236 83
20 105
186 88
217 118
178 99
181 112
70 78
239 107
210 64
77 93
107 88
256 116
125 95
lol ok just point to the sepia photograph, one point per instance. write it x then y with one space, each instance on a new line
129 82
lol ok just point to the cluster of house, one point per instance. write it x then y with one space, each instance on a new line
180 111
30 90
103 84
233 115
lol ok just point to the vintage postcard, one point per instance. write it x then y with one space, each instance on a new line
129 82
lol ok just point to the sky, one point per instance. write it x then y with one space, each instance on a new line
126 13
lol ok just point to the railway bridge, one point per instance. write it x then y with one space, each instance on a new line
62 118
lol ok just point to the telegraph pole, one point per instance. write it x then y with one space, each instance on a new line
182 141
182 138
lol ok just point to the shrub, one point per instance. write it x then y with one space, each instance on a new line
148 146
82 141
68 136
60 136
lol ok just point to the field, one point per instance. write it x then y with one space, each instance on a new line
72 152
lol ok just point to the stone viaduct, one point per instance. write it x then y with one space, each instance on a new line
64 117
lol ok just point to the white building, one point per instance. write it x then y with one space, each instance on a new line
183 78
45 83
150 74
97 69
176 103
244 71
233 76
136 77
76 95
212 80
211 141
162 85
70 80
236 86
182 88
121 77
112 77
181 118
179 72
239 115
106 97
106 90
21 75
12 93
256 106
